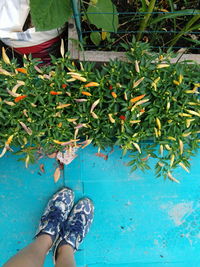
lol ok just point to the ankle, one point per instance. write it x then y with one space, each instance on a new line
45 240
65 249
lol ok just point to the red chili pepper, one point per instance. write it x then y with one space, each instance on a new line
55 93
122 117
64 85
110 87
19 98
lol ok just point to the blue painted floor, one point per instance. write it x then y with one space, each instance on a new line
139 220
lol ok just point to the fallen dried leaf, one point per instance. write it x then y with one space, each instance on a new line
57 175
101 155
42 168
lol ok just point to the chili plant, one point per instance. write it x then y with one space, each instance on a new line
147 106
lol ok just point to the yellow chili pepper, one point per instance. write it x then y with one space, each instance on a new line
135 121
193 112
70 80
94 115
125 96
168 106
167 147
74 73
190 91
156 132
180 78
5 57
188 122
154 83
184 167
9 103
5 72
158 123
172 160
186 134
63 106
161 66
137 68
172 178
194 104
137 147
184 115
181 145
111 118
171 138
176 82
161 150
161 164
72 120
9 140
76 77
135 84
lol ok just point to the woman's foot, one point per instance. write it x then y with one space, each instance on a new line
56 212
75 228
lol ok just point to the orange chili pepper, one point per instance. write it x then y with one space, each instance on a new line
55 93
114 94
22 70
137 98
19 98
64 85
91 84
85 93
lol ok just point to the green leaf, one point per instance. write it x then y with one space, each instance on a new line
47 15
133 168
186 12
102 19
95 38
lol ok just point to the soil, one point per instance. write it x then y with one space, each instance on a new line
158 35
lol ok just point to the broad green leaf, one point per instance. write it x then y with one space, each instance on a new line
95 38
103 16
47 15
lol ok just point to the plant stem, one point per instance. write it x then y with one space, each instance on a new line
145 20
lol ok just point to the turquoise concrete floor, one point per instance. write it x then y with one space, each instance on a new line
139 220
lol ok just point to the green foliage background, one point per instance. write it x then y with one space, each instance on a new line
47 15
